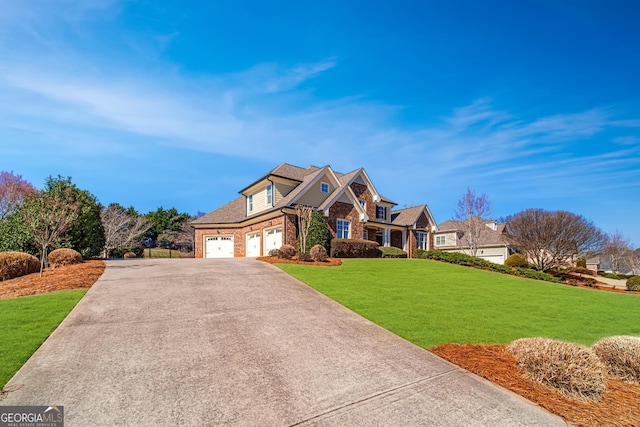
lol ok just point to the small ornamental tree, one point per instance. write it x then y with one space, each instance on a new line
319 233
47 216
304 221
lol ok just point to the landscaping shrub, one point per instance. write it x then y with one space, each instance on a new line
581 270
274 252
610 276
319 253
516 260
129 255
621 355
319 233
119 252
63 256
16 264
287 252
353 248
572 369
633 284
470 261
420 253
581 263
392 252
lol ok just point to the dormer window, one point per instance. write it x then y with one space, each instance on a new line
269 195
381 212
324 187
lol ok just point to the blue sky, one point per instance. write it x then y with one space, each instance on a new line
174 104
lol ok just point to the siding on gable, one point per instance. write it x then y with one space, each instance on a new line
314 197
282 189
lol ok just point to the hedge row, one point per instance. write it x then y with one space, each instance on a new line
471 261
392 252
353 248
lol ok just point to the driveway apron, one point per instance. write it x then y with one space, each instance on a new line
238 342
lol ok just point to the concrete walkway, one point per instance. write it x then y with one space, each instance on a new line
238 342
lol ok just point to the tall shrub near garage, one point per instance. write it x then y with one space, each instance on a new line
319 232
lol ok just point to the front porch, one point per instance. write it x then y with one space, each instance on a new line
405 238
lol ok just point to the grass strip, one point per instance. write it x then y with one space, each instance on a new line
26 324
431 303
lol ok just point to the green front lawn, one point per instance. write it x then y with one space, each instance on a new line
431 303
26 323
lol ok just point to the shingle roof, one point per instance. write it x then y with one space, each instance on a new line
232 212
489 236
296 173
406 216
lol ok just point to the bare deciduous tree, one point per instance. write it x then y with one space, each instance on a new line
616 249
13 191
304 221
553 238
472 213
121 227
47 216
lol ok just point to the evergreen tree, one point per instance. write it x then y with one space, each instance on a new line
318 232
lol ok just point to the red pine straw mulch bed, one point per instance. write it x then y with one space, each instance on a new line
330 262
78 276
618 406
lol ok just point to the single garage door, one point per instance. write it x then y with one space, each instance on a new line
253 244
272 240
219 247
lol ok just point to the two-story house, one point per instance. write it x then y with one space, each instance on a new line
263 217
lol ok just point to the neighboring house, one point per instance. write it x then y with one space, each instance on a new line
492 245
264 218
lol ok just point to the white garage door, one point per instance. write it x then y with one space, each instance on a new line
272 240
253 244
498 259
219 247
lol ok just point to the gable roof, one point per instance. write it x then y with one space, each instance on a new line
409 216
489 236
235 211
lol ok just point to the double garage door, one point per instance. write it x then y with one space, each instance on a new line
222 246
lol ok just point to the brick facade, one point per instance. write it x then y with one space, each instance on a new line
347 211
240 235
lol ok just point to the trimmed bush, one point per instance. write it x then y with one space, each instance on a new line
633 283
581 270
420 253
120 252
63 256
610 276
16 264
319 253
392 252
621 355
572 369
130 255
274 252
516 260
287 252
304 257
581 263
470 261
353 248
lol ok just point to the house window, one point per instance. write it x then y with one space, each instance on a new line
440 240
422 239
365 234
269 194
342 231
324 187
250 203
363 202
381 212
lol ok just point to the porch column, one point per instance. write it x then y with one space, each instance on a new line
404 241
386 237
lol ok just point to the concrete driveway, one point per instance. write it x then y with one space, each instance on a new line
238 342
